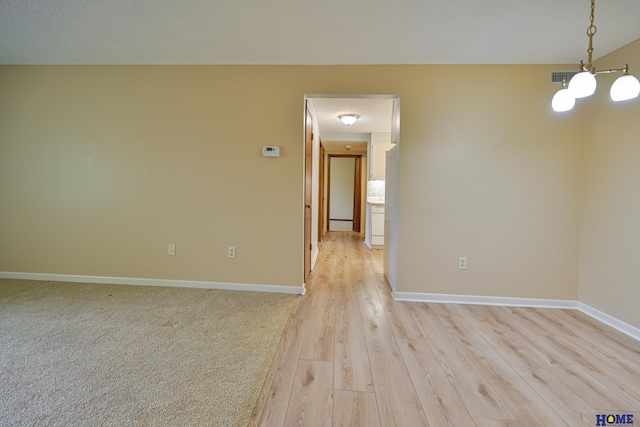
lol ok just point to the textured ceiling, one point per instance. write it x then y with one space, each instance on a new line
375 116
310 32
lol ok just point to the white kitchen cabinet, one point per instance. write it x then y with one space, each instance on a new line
374 236
379 144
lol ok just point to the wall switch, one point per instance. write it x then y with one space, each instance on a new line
462 263
231 252
171 250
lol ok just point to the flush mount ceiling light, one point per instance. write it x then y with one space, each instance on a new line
584 83
348 119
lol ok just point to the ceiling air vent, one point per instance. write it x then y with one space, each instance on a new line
560 76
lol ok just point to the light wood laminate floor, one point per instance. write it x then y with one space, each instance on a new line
352 356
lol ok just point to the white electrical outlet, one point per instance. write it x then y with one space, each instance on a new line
231 252
171 250
462 263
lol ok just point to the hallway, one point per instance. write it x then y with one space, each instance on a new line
353 356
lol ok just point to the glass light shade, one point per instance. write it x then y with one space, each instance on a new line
348 119
583 84
624 88
563 100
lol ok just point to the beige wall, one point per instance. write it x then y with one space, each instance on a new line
489 172
101 167
610 229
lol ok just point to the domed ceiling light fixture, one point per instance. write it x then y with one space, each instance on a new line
584 83
348 119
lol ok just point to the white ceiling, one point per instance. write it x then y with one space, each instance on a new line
375 116
310 32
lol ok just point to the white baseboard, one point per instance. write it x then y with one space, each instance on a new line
314 257
617 324
482 300
621 326
299 290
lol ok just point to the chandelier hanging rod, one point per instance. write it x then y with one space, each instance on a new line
591 31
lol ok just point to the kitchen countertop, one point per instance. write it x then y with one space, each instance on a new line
375 201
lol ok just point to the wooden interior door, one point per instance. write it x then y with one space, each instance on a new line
308 138
321 194
357 195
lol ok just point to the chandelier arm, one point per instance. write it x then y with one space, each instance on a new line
583 67
612 70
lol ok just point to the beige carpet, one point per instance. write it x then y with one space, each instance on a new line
107 355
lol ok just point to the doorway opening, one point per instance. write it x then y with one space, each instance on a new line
328 141
344 192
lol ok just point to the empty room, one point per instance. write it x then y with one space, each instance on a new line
170 253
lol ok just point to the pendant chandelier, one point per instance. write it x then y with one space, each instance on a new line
584 83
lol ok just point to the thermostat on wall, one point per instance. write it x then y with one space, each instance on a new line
271 151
